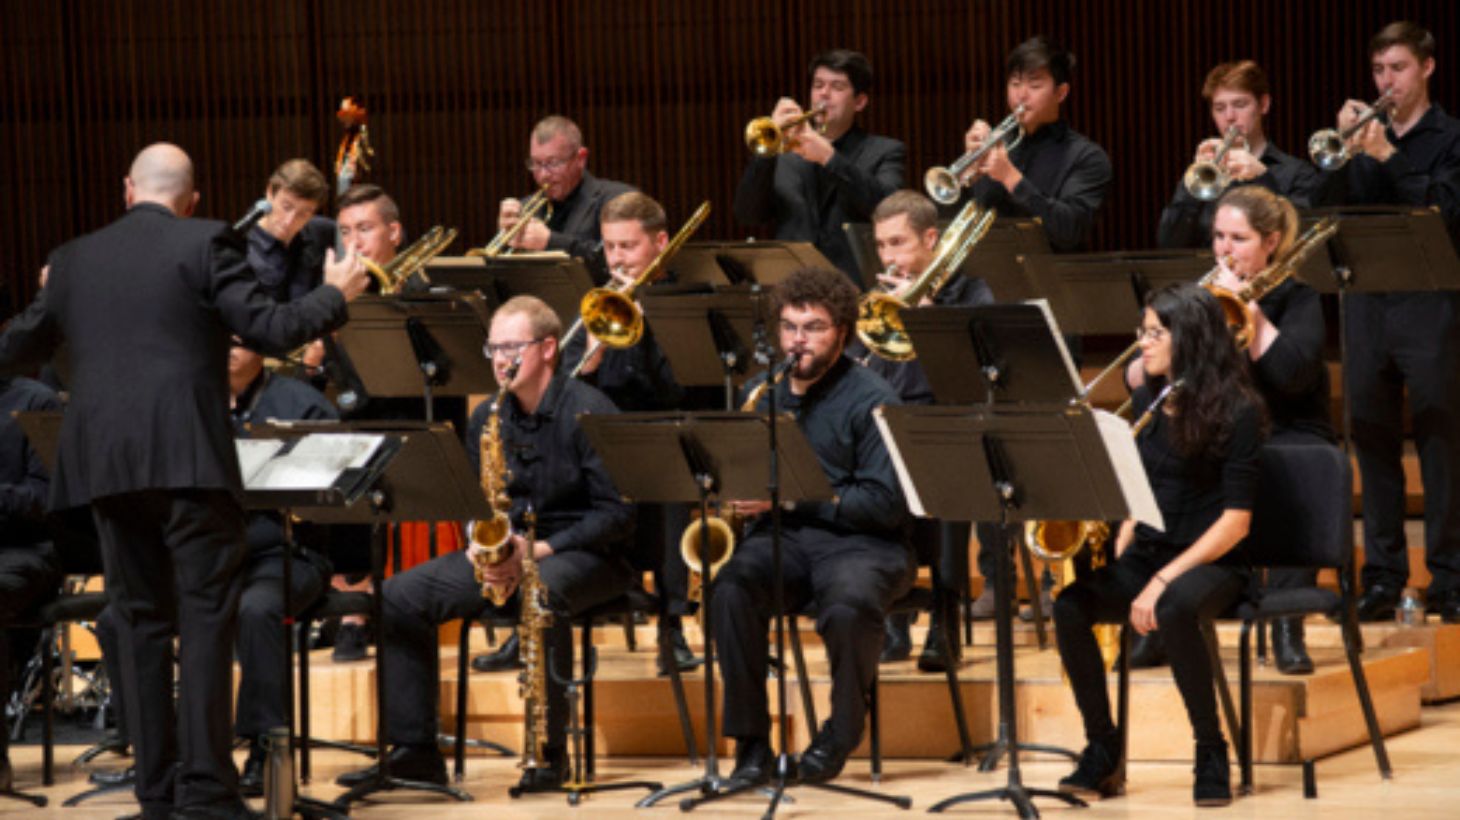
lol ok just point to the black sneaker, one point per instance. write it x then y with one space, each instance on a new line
1099 773
1213 786
351 643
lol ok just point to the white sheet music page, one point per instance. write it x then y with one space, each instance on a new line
315 462
1129 470
908 490
1059 338
254 453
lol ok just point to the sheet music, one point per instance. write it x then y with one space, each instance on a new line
909 491
1115 432
315 462
1059 338
253 453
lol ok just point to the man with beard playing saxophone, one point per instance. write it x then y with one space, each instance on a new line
580 522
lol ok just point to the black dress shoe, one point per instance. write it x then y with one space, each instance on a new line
1288 647
935 655
7 774
351 644
1378 603
219 811
824 758
1213 784
420 763
897 640
251 779
507 656
754 761
1099 772
1450 608
679 650
114 777
548 778
1147 651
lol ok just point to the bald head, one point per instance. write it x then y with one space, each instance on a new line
163 174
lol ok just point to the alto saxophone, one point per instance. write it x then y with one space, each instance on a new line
534 620
492 537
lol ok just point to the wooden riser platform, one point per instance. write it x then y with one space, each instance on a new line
1296 718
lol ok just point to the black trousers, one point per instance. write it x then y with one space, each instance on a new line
1105 596
1396 341
263 658
852 579
657 529
172 559
943 546
28 578
442 589
110 641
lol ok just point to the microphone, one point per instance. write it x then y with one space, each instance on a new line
787 364
259 210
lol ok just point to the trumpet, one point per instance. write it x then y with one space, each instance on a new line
766 139
501 244
879 313
393 275
1329 147
610 315
1207 179
945 185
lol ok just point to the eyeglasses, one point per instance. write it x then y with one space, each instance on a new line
1151 334
493 349
809 329
550 166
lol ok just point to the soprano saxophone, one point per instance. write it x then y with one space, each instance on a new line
532 625
492 537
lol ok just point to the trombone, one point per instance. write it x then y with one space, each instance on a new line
501 244
1207 179
1329 147
393 275
766 139
879 313
945 185
609 313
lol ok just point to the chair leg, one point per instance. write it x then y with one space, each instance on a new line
463 680
1361 685
48 705
1219 679
589 726
955 692
631 638
874 713
304 728
676 686
803 681
1032 582
1244 743
1122 702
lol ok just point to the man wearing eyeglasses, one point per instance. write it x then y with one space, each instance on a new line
846 555
581 523
558 159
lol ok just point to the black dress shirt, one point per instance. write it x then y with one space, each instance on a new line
810 203
287 272
24 481
1291 374
1424 170
1186 222
635 379
1193 492
1066 178
555 468
574 223
836 416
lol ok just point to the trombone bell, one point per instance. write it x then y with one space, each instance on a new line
611 318
879 326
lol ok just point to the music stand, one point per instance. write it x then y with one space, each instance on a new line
995 259
1099 294
1009 466
558 280
706 336
743 263
428 479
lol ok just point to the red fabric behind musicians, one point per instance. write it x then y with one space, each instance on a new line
414 538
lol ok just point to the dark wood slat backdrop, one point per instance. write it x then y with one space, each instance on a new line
661 88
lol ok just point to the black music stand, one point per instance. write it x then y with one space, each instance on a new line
558 280
1100 294
743 263
429 479
706 336
1010 466
995 259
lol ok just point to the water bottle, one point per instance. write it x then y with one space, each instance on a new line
1411 609
278 775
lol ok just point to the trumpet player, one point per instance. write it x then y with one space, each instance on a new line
905 226
558 161
1053 173
1239 99
286 249
1404 340
580 522
834 171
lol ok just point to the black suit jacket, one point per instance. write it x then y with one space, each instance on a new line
146 306
811 203
574 224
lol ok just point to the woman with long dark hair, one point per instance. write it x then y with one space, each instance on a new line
1200 453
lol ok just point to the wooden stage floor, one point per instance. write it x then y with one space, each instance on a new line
1426 784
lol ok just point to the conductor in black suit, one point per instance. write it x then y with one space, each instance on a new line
146 306
833 174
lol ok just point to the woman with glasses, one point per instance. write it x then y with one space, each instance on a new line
1200 452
